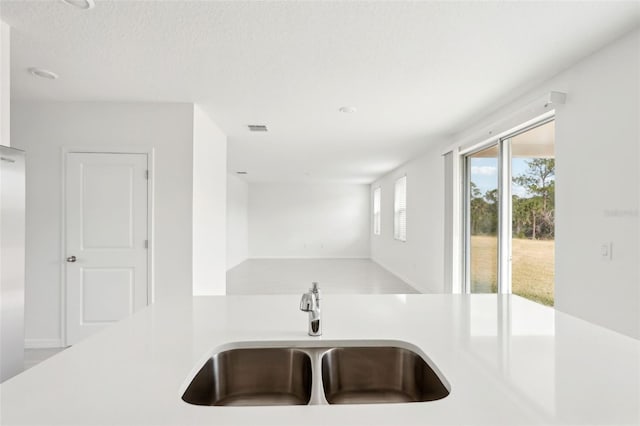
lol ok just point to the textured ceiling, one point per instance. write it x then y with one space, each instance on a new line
415 70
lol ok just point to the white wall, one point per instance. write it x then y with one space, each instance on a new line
597 182
42 129
5 84
308 220
237 221
419 260
598 186
209 206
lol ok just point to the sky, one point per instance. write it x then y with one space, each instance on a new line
484 173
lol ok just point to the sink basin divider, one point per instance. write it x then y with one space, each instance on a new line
317 389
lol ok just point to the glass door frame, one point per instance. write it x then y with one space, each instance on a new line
505 206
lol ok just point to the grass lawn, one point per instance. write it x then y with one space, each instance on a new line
532 267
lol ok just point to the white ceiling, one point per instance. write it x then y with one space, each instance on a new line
415 70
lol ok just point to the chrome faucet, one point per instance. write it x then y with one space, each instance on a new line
310 302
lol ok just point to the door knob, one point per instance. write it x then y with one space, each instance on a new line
71 259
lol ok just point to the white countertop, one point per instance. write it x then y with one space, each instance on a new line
508 361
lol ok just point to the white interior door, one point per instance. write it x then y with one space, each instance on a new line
106 240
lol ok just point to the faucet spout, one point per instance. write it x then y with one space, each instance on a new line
310 303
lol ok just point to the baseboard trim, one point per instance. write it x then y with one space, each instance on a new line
236 264
42 343
392 272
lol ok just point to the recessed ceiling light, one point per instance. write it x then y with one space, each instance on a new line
81 4
39 72
242 173
348 109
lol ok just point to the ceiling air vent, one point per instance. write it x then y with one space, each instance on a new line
257 128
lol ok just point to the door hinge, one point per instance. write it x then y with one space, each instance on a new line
146 174
146 244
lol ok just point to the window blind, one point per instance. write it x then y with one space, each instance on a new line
376 211
400 210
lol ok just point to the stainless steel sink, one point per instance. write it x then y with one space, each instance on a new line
374 375
331 374
253 376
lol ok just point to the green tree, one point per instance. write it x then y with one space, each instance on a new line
484 211
491 216
537 212
478 209
521 217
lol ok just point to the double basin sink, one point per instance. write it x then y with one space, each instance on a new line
336 374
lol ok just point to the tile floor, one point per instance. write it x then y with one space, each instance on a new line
294 276
34 357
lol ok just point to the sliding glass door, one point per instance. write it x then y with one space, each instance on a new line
510 215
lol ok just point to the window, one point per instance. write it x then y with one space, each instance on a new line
376 211
400 210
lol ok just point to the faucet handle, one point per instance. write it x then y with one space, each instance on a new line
308 302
